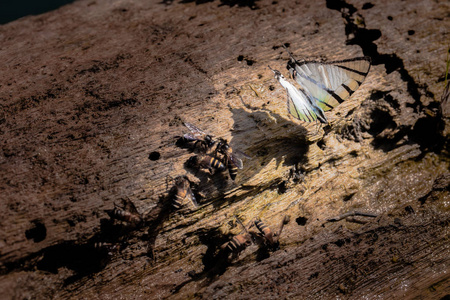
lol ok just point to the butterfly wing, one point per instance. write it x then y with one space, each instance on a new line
299 103
298 106
330 84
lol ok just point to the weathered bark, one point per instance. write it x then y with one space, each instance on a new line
93 97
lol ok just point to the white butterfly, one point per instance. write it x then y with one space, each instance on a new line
324 85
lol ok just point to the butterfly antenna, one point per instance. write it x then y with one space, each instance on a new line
290 54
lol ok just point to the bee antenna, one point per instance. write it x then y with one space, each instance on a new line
239 221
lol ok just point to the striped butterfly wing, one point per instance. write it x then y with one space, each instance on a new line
298 105
330 84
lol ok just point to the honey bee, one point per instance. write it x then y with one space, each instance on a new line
239 242
127 213
232 157
183 192
206 162
110 248
201 139
272 238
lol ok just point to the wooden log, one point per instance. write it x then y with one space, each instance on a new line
93 100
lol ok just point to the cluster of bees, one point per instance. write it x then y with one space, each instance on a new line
217 155
265 237
213 155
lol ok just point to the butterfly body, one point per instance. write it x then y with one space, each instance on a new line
324 85
300 105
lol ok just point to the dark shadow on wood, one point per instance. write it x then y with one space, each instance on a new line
155 219
281 139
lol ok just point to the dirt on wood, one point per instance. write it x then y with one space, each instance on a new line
93 97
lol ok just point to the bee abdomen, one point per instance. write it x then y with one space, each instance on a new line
232 170
234 244
217 164
181 194
116 213
131 218
260 225
100 245
122 215
264 229
177 201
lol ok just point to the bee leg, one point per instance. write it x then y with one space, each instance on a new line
217 148
196 172
196 145
211 171
284 221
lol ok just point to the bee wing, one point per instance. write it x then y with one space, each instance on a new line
129 206
236 161
191 196
194 129
192 136
241 154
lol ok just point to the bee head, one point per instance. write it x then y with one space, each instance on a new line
192 161
181 179
248 239
209 140
223 144
275 246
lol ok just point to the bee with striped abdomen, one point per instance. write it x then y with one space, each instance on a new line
183 192
271 238
201 139
127 213
110 248
238 243
211 163
232 157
